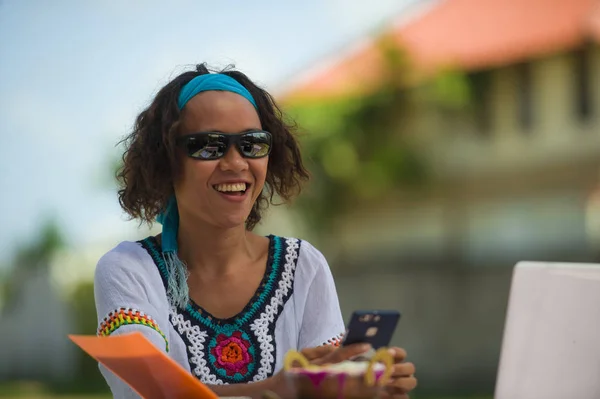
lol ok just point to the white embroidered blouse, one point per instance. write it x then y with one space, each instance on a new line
295 307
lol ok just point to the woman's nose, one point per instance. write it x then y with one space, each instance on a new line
233 160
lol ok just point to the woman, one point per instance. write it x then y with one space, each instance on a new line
205 159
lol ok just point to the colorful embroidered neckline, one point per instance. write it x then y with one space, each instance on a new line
240 348
258 299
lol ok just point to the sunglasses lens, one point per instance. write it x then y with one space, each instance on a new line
255 144
211 146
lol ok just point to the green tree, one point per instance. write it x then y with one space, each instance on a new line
359 149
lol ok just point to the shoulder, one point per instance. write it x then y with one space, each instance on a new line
126 254
310 261
310 254
123 252
127 260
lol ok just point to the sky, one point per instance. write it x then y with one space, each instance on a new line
74 74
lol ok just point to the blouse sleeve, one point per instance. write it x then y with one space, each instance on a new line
322 322
127 295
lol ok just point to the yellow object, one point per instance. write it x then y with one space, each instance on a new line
381 356
384 356
295 356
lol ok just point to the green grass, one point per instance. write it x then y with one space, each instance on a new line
34 390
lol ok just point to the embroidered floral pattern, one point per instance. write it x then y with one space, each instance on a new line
241 348
232 354
126 316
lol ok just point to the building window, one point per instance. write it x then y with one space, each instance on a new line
482 109
524 98
581 77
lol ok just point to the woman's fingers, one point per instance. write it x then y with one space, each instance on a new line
317 352
347 352
403 370
398 354
401 385
343 353
332 354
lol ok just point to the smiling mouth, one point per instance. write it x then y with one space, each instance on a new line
235 189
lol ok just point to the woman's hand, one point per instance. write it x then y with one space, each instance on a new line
403 380
320 355
329 354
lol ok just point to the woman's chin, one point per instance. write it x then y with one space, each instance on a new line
232 221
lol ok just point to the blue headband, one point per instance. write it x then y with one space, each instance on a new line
177 288
209 82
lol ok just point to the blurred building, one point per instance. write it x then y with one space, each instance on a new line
48 302
515 175
34 327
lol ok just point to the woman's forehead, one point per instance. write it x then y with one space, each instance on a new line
219 111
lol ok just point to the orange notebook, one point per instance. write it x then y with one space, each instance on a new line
150 372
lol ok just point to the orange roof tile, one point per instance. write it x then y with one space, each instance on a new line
468 34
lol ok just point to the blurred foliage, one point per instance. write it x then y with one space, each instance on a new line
39 252
115 164
88 378
360 149
449 90
32 256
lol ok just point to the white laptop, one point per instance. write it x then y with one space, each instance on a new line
551 343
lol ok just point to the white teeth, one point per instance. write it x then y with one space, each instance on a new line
231 187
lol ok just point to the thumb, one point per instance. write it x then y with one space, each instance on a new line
343 353
317 352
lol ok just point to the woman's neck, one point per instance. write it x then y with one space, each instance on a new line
212 250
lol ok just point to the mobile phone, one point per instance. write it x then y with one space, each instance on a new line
374 327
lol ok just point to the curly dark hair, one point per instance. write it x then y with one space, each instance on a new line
150 164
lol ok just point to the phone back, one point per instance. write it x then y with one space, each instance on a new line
375 327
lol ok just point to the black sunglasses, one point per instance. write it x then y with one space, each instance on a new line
211 145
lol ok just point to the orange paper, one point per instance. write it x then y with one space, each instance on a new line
150 372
